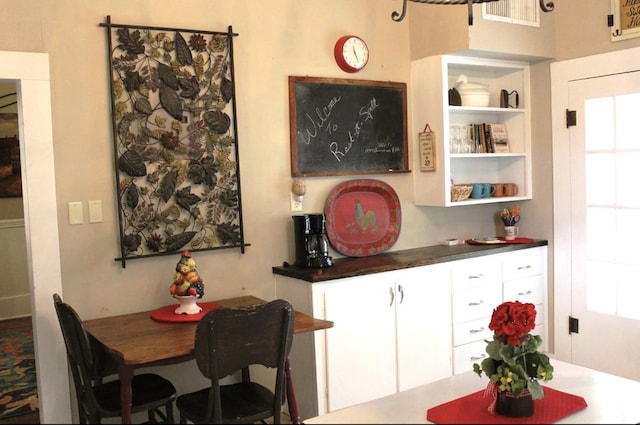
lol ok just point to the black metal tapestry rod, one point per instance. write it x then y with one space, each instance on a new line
109 24
545 6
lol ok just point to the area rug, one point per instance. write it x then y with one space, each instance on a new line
18 385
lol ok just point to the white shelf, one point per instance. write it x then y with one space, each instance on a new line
431 79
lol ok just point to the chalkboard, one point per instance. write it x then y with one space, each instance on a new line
344 126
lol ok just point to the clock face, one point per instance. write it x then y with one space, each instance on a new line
351 53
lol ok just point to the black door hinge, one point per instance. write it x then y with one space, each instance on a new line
573 325
571 118
610 20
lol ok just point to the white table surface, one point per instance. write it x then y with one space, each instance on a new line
610 399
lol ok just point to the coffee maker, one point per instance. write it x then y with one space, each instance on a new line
312 246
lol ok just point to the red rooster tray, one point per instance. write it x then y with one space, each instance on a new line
363 217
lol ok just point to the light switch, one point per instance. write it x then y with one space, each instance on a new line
75 213
95 211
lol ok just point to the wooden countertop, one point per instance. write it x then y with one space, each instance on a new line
395 260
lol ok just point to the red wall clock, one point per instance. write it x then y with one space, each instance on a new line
351 53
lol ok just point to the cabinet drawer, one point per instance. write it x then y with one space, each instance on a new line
516 265
468 274
464 333
466 355
526 290
475 303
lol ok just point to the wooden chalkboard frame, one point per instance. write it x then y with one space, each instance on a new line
355 105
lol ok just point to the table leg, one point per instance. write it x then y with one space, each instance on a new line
291 395
125 373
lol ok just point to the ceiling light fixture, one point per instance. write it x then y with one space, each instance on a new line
544 5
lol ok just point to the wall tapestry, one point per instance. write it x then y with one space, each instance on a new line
175 140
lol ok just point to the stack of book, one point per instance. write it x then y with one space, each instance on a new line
490 137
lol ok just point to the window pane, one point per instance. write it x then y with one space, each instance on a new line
628 235
601 136
628 170
628 291
601 292
627 107
601 233
600 179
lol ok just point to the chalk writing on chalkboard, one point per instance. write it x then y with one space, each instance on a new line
344 126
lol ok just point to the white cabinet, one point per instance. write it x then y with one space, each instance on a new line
431 78
361 352
392 331
476 291
525 280
422 319
480 285
398 329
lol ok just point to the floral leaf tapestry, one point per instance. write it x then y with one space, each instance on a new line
175 143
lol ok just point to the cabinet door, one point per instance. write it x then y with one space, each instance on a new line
361 346
423 313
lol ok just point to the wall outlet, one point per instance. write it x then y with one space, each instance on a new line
296 205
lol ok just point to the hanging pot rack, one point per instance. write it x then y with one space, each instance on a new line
546 6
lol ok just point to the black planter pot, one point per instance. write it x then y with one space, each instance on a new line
514 407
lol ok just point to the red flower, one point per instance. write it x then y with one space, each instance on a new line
513 320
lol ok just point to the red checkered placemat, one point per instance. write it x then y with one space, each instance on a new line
473 409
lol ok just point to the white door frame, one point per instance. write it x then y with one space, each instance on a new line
562 73
30 73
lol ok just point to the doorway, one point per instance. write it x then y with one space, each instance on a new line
592 257
30 74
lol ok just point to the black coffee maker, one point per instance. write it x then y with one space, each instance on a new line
312 246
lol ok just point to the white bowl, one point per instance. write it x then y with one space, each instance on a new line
475 99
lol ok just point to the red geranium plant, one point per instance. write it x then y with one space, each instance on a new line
514 363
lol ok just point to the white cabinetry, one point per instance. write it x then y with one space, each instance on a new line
431 78
524 275
476 291
391 333
398 329
480 285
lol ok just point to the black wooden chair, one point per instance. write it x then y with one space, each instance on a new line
97 399
229 340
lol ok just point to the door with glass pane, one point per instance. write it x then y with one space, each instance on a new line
605 222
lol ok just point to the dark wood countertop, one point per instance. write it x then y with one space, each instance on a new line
395 260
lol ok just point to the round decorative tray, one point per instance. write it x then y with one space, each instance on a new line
363 217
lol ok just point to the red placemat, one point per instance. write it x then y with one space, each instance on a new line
472 409
516 240
167 313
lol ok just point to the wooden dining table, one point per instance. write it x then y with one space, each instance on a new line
136 340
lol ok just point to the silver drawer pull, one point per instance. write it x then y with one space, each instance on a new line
475 331
479 276
476 303
525 293
524 267
480 357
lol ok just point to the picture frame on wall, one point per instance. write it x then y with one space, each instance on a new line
10 169
624 20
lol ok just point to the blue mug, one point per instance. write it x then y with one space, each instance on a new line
482 190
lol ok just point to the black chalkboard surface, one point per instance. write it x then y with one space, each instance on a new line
344 126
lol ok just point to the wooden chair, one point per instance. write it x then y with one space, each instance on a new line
96 399
229 340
